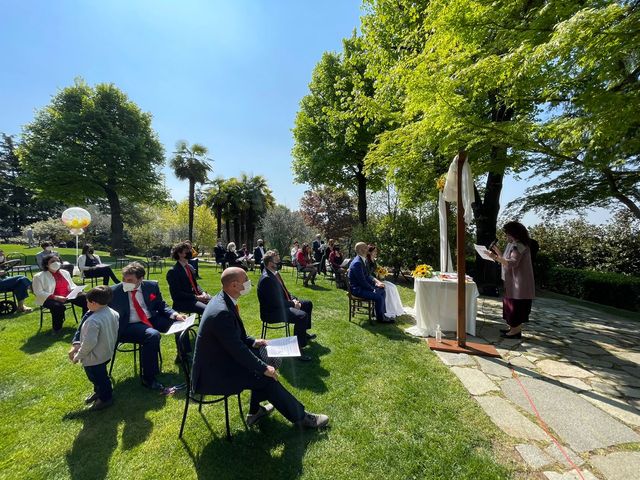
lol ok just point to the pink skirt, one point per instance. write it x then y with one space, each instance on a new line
516 311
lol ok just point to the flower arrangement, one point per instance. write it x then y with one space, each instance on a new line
381 272
441 181
422 271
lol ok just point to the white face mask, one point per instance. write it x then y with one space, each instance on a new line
55 266
48 249
129 287
246 287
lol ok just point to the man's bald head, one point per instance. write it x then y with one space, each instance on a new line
232 274
361 248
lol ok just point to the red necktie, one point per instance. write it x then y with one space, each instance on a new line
194 287
286 292
138 308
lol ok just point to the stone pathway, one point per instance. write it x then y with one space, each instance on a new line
581 369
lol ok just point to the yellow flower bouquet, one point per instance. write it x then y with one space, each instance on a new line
423 271
381 272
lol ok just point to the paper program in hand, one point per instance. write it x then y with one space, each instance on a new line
483 252
283 347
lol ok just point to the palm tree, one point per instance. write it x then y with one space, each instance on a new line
192 164
260 200
217 198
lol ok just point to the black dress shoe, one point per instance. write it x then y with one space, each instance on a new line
154 385
304 358
505 330
311 336
516 336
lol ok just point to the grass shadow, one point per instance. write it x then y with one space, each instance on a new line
393 331
42 340
307 375
98 438
275 451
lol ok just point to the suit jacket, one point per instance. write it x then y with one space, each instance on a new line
359 278
223 361
152 298
257 255
179 284
272 295
219 253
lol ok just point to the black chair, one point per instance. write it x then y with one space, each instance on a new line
300 274
93 281
155 264
124 347
274 326
359 305
191 396
44 310
17 264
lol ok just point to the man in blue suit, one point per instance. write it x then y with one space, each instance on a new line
364 285
226 359
143 315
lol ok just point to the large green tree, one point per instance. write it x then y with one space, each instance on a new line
18 207
93 144
192 164
336 125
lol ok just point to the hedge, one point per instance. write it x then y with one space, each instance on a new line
613 289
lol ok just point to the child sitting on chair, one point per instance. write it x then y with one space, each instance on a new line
93 345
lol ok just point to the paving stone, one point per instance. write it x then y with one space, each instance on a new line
522 362
494 366
631 357
615 407
562 369
589 349
510 420
554 452
451 359
618 465
475 381
574 384
605 388
533 456
635 371
570 475
576 421
629 392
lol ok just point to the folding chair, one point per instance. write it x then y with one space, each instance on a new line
192 396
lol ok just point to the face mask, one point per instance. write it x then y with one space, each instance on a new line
55 266
90 252
129 287
48 249
246 287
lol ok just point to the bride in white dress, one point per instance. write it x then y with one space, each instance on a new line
393 303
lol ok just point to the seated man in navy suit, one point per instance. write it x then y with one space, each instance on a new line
278 305
185 292
226 359
143 315
364 285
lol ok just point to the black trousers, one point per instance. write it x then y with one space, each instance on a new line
267 388
301 319
97 374
57 309
105 272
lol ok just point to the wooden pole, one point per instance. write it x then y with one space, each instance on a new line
462 314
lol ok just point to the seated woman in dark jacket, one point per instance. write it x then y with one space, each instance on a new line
91 267
231 258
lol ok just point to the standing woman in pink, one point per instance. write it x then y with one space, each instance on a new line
517 274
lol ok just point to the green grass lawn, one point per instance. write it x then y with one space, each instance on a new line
396 411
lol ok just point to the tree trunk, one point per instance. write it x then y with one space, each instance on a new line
192 188
219 220
486 218
227 227
618 195
117 224
362 194
236 232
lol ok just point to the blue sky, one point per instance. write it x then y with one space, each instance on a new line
227 74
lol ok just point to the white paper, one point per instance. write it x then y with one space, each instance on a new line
483 252
177 326
74 293
345 263
283 347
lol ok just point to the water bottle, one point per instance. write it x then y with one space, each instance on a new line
438 334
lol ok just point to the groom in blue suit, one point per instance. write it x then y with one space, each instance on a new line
143 315
364 285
